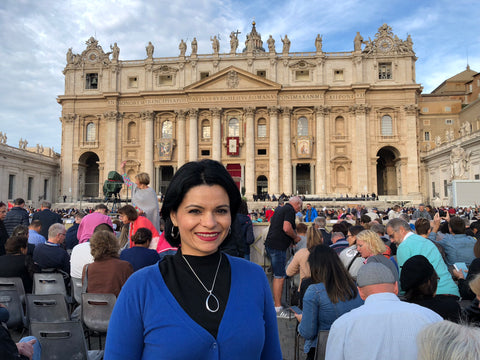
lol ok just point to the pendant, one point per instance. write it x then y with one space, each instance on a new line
208 306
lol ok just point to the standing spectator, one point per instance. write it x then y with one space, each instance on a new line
16 216
280 236
34 236
310 214
91 221
241 237
140 255
47 217
52 254
421 212
385 327
395 212
3 230
71 238
320 224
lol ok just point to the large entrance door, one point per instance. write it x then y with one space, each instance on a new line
302 176
235 171
89 174
387 171
164 177
262 185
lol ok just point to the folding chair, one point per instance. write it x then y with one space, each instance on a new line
96 312
10 283
49 283
77 289
62 340
47 308
12 302
322 338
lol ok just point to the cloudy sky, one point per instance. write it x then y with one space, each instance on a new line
35 35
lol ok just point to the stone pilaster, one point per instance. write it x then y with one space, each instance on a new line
180 137
147 117
249 152
193 135
287 151
111 118
360 150
68 142
320 164
413 185
216 134
273 187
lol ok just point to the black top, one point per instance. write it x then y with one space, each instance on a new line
47 218
50 255
465 292
3 237
188 291
16 216
276 237
444 305
8 349
71 236
18 266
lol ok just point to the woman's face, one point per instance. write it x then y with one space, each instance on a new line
123 218
363 249
203 219
3 212
351 238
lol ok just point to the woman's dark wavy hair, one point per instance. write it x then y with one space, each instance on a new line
195 173
326 268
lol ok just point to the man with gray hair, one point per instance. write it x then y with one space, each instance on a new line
410 244
391 323
47 217
320 224
52 254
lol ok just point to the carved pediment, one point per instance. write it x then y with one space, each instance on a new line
302 64
387 43
233 79
165 69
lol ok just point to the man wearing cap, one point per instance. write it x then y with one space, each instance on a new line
421 212
410 244
384 327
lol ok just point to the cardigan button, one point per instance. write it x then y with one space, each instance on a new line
214 345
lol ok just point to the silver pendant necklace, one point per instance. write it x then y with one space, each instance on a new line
210 294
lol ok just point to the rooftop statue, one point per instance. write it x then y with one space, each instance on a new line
150 48
182 47
194 46
286 45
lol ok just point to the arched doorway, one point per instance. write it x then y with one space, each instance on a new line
262 185
387 164
88 176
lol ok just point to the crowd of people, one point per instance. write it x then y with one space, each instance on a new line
387 280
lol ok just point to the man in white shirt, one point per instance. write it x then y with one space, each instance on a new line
384 327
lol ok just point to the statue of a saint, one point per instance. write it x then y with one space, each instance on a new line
271 44
448 135
438 140
194 46
182 47
115 51
318 43
69 56
458 162
233 42
215 44
286 45
357 42
150 49
409 42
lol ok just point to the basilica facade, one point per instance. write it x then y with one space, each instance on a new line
323 123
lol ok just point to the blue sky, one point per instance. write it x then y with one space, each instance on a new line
35 35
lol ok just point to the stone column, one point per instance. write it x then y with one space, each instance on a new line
321 161
273 152
249 152
193 135
180 137
287 151
111 140
360 148
216 134
413 164
69 185
147 117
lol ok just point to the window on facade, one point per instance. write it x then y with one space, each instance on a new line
385 71
132 131
29 188
91 81
133 82
45 189
165 80
302 126
262 151
445 188
477 176
426 122
204 75
448 121
387 125
302 75
167 132
262 128
427 135
11 186
341 176
339 126
262 73
448 109
233 127
425 109
91 132
338 75
433 188
205 129
205 152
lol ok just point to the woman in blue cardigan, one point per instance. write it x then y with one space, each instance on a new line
198 303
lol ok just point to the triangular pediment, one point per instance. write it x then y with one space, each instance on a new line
233 79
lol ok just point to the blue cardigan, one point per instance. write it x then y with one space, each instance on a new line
148 323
